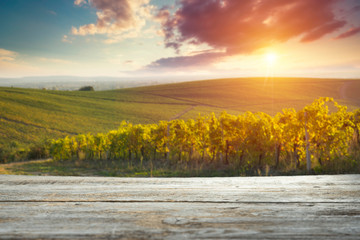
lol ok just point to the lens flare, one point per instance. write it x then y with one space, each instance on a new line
271 58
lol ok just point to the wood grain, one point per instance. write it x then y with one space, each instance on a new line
299 207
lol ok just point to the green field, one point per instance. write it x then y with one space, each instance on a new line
29 116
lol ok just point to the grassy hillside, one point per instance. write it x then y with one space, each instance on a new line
29 116
259 94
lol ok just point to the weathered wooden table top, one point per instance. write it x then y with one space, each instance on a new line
300 207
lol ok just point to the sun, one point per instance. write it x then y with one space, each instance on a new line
270 58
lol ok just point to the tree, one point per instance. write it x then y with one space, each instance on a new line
290 134
328 131
87 88
250 140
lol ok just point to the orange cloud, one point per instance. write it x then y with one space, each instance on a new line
79 2
7 55
115 18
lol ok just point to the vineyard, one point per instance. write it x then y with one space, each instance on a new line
247 143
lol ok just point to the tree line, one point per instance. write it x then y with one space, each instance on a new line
247 142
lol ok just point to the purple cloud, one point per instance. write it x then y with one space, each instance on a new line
349 33
242 27
186 62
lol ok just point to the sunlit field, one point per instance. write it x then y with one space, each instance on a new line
91 121
45 114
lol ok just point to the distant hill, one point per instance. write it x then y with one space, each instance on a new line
74 82
29 116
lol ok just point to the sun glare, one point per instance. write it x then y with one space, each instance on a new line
271 58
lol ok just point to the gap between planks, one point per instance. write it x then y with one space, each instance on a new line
170 201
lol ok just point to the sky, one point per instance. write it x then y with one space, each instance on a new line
207 38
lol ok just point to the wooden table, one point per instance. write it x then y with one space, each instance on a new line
299 207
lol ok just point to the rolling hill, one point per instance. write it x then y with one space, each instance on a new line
29 116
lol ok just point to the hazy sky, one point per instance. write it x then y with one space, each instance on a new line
210 38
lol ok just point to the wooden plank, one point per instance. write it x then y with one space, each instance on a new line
301 207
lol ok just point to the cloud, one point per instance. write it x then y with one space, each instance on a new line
186 62
247 25
11 64
356 8
243 27
52 12
7 55
323 30
80 2
119 19
348 33
66 39
54 60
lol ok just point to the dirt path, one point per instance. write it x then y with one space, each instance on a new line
186 101
343 90
4 167
347 86
182 113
